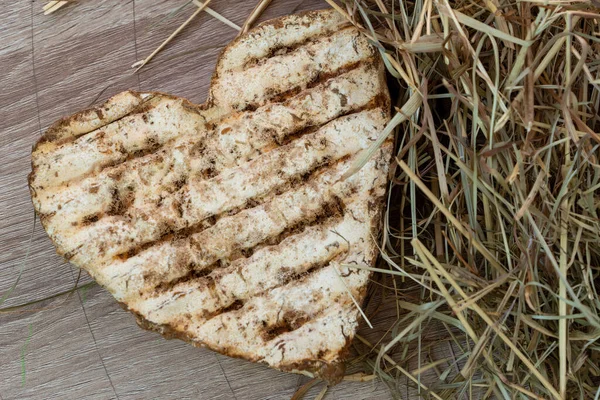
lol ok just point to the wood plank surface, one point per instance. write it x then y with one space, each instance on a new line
84 345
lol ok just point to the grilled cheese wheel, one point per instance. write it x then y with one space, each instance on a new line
228 224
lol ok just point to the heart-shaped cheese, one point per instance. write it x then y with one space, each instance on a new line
228 224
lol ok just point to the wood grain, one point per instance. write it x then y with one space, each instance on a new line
84 345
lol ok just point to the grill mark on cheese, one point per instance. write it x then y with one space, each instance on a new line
208 285
208 288
106 149
119 188
269 267
330 207
248 228
199 200
115 108
311 108
114 143
255 86
329 216
280 349
166 233
281 48
271 35
290 253
312 294
331 143
288 322
318 79
193 275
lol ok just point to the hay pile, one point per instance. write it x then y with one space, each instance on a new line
495 197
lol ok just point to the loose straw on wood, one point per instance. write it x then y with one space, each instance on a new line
217 16
138 65
53 6
399 368
254 15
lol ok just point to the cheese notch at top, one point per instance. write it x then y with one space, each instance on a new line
228 224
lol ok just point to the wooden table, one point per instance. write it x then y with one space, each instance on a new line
85 345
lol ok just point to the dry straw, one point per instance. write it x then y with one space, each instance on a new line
494 198
493 209
53 6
